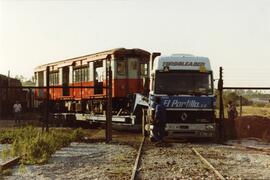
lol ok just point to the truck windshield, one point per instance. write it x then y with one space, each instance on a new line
182 82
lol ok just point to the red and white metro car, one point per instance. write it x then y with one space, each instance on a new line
130 71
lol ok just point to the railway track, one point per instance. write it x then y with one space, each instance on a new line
136 165
219 161
208 164
192 152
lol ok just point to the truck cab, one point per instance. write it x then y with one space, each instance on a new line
185 85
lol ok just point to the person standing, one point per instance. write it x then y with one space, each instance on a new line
159 121
17 109
232 114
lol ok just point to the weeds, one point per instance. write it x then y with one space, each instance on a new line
22 169
7 172
35 146
5 152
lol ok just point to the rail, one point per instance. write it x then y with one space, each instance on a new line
208 164
137 161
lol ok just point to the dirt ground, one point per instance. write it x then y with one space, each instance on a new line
11 123
253 126
237 163
7 123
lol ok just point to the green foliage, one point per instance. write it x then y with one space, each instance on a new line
36 146
257 104
230 97
5 153
234 97
78 134
6 172
26 81
6 137
22 169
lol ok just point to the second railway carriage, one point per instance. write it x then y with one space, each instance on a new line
130 72
8 96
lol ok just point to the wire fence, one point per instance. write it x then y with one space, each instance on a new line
252 115
50 106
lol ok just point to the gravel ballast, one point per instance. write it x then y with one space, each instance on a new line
83 161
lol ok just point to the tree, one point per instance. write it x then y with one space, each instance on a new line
20 77
234 97
25 81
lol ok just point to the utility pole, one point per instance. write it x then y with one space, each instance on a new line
221 106
8 90
109 100
1 97
47 98
241 104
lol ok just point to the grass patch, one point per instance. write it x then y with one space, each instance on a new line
249 111
255 111
7 172
35 146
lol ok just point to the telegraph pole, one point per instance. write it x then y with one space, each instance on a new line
241 102
47 97
1 97
109 100
221 107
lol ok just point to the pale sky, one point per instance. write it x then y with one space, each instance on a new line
234 34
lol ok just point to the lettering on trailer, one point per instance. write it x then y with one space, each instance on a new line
188 102
181 63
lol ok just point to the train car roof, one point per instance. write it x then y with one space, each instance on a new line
93 57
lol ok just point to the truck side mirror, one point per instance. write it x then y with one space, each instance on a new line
152 57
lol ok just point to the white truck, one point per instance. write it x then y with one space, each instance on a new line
185 85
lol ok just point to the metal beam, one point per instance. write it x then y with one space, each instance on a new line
44 87
47 97
248 88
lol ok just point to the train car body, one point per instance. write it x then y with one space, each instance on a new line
130 71
185 85
8 96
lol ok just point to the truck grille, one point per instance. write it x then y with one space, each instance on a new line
190 116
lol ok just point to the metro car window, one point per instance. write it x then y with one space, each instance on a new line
54 78
121 68
144 69
81 75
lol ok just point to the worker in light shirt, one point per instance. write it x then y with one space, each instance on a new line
17 109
